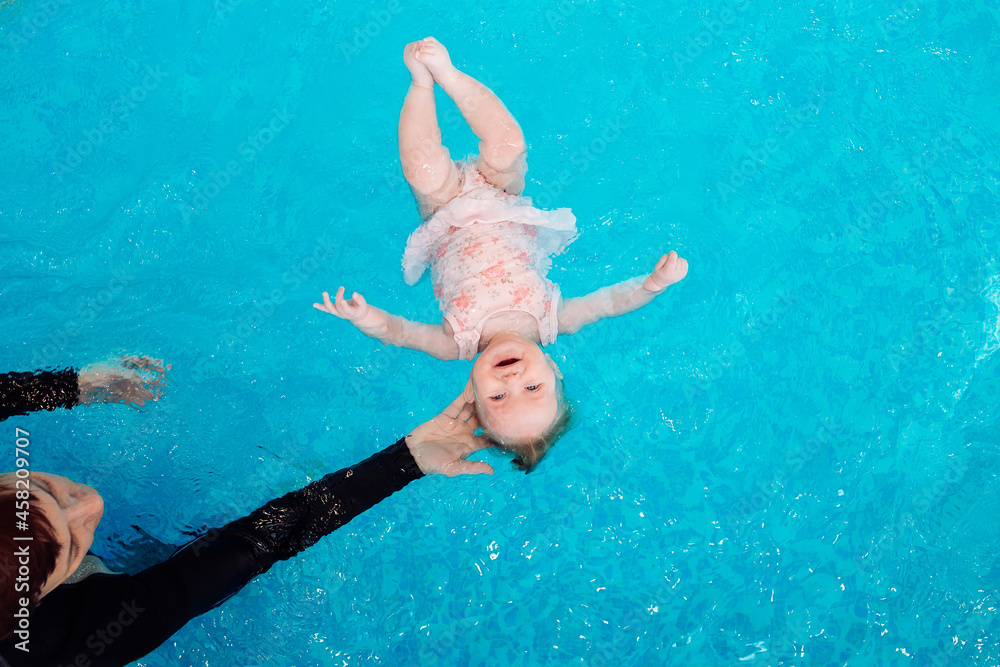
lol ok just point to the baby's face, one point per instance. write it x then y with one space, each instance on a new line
514 386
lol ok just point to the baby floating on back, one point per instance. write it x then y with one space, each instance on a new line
489 251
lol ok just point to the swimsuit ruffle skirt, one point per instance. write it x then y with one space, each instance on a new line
481 203
489 251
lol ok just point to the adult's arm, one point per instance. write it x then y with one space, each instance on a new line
128 379
154 604
21 393
145 609
222 562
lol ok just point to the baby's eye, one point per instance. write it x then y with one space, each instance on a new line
533 387
498 397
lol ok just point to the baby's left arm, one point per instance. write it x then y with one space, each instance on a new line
578 312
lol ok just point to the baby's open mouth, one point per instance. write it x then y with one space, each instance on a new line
508 362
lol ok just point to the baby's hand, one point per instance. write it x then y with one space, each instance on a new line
353 309
669 270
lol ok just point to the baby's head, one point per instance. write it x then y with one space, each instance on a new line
518 393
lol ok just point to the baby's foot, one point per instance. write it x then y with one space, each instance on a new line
420 75
433 54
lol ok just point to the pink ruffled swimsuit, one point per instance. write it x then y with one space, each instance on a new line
489 252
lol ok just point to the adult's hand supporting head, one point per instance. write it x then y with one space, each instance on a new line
440 445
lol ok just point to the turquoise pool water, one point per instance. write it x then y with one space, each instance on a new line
789 459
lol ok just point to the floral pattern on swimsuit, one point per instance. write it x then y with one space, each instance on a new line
483 269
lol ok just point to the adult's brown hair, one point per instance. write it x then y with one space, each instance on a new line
25 565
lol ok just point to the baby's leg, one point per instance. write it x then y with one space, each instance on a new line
427 165
501 142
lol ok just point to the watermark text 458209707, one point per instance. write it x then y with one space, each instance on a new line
22 548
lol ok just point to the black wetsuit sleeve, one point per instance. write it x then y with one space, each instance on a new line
158 601
288 525
21 393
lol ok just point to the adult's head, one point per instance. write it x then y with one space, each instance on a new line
518 393
60 517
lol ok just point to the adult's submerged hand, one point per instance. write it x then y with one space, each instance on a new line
132 380
441 445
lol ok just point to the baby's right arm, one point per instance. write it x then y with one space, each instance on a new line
389 329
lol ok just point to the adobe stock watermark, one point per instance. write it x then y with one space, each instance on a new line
631 626
973 624
86 312
443 643
567 520
378 21
748 169
101 640
721 361
930 329
120 110
224 7
359 388
30 25
581 160
914 173
425 149
22 552
636 621
451 118
794 462
325 250
713 28
247 151
901 21
790 642
564 10
567 516
884 545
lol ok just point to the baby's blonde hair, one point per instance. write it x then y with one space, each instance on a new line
528 452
